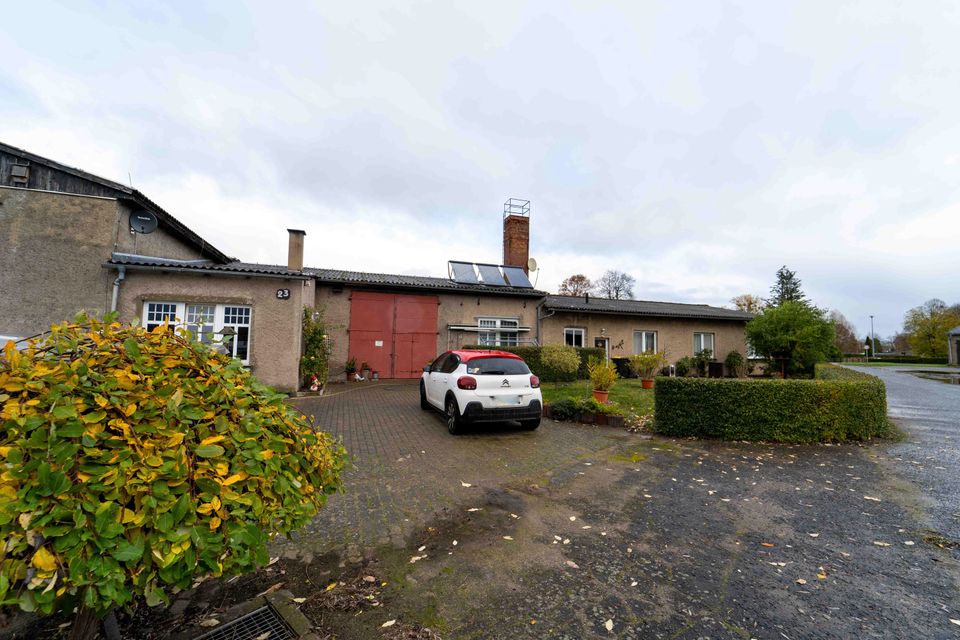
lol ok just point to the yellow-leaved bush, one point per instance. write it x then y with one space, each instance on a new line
137 462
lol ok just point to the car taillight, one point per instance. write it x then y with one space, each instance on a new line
466 382
535 382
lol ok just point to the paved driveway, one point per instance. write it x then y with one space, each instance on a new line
929 411
571 530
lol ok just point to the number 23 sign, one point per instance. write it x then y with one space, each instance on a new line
283 294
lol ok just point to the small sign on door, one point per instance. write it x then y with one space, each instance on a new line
378 343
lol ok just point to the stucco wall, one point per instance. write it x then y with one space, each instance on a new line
673 335
159 243
275 334
454 309
52 249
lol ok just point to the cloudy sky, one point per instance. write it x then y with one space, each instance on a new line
696 145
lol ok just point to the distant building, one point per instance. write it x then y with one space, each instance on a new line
76 241
953 346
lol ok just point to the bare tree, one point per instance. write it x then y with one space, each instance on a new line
748 302
845 333
616 285
576 285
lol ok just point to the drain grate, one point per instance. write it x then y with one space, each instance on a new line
253 626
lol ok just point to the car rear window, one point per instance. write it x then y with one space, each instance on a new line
497 367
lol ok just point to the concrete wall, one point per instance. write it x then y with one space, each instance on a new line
953 350
53 246
275 332
454 309
673 335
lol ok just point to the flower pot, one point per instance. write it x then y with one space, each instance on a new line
601 396
647 383
547 411
351 376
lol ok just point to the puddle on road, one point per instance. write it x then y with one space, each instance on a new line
940 376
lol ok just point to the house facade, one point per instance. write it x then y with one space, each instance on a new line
74 241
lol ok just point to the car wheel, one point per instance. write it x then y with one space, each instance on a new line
423 398
454 422
530 425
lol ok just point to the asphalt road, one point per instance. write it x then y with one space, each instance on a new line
929 411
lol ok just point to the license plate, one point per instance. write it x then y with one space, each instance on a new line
507 401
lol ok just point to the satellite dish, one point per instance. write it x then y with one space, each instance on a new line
532 264
143 221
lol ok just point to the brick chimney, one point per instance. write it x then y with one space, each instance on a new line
516 233
295 250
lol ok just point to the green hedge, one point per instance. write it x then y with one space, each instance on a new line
908 360
839 405
532 357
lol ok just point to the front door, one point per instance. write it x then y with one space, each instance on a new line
603 343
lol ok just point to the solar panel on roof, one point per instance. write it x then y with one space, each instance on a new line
491 275
463 272
517 277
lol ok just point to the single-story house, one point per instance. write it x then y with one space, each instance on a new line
77 241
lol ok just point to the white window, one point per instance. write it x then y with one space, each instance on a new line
573 337
498 332
702 341
206 323
644 341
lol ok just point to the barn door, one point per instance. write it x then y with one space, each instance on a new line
396 334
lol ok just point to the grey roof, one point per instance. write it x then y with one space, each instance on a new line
358 278
124 192
643 308
954 332
229 268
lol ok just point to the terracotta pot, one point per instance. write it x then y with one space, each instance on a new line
547 411
601 396
647 383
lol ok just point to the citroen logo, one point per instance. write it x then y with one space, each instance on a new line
505 383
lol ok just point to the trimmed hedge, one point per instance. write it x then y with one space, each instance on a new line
532 357
908 360
839 405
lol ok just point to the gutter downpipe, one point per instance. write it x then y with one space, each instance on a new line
121 275
539 318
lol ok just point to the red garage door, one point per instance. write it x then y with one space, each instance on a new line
395 334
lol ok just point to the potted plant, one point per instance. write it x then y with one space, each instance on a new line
350 368
365 371
603 375
646 365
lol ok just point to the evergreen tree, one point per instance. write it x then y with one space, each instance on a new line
786 289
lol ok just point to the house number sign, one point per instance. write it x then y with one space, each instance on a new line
283 294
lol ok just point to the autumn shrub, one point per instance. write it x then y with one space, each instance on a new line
562 361
135 463
839 405
532 355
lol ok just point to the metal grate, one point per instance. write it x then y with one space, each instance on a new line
252 626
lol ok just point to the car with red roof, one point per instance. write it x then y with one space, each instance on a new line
474 386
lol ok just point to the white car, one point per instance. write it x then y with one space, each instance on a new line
481 386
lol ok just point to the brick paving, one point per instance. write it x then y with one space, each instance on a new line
408 469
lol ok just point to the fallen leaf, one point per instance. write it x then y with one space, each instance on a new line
909 543
369 579
881 544
724 499
647 495
586 526
465 484
572 564
633 584
422 547
871 498
331 586
454 543
572 518
557 538
955 621
533 622
814 535
566 541
801 581
778 564
388 623
263 636
822 575
507 538
415 558
769 545
513 515
270 590
299 600
609 625
473 509
209 622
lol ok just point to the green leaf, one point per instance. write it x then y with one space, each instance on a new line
209 451
64 411
129 551
132 348
181 508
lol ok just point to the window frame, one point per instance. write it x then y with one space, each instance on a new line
498 332
713 342
181 315
573 332
643 334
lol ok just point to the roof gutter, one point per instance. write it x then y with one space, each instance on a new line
208 272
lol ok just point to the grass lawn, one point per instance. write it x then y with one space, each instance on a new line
627 393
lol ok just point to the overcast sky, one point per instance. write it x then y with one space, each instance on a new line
696 145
